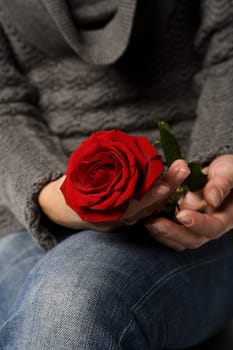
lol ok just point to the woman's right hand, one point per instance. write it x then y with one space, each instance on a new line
156 198
52 202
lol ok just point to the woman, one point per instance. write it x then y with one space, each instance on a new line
68 68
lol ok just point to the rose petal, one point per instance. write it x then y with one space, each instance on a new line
95 217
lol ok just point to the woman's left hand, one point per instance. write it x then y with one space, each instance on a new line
204 215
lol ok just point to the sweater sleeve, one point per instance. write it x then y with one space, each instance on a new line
30 155
213 130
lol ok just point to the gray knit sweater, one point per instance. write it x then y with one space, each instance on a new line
61 80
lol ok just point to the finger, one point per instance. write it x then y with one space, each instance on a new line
159 193
220 175
193 200
211 225
176 174
162 189
217 189
221 166
171 232
169 243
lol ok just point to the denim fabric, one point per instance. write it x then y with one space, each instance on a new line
112 291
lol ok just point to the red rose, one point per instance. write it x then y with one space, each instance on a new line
106 171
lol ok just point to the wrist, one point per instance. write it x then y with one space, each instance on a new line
53 205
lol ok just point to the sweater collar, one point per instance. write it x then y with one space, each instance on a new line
49 26
101 46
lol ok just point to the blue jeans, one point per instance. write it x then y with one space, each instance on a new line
112 291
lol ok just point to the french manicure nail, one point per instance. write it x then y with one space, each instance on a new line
184 219
215 197
182 174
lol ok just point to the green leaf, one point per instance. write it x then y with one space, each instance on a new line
196 180
170 146
171 149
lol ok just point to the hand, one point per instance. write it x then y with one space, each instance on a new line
54 206
52 203
156 198
204 215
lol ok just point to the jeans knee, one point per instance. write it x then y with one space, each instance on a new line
78 282
75 293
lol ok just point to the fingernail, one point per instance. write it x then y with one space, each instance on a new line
215 197
184 219
161 190
182 174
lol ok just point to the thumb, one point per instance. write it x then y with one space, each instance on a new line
220 184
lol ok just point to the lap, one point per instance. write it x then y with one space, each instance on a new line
142 283
190 290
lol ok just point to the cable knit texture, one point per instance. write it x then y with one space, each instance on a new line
55 89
